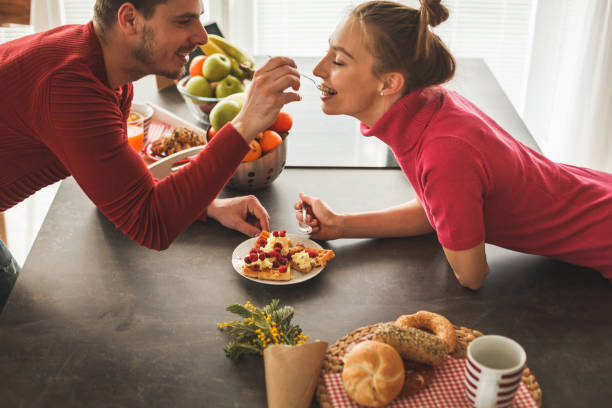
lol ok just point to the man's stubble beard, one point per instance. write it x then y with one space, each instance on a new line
144 52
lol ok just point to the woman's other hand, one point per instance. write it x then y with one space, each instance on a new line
266 96
244 214
325 223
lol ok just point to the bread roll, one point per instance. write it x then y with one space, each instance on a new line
373 373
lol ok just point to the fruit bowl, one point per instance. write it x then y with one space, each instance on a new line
198 106
260 173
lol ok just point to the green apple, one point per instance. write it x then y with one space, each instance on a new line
239 97
198 86
223 112
227 86
216 67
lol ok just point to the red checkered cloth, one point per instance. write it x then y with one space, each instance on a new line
157 129
446 390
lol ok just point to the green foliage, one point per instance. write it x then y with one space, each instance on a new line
260 327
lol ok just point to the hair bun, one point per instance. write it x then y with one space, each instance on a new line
433 11
373 373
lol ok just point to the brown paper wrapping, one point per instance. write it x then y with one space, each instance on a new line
292 373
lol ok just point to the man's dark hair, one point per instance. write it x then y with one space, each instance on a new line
105 11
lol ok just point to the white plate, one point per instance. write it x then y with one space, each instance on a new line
243 249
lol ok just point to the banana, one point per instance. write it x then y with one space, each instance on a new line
243 58
237 71
211 48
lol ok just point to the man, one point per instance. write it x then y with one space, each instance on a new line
67 94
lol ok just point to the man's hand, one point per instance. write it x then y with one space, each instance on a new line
244 214
266 96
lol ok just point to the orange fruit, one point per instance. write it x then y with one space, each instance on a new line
283 122
254 153
211 132
269 140
195 66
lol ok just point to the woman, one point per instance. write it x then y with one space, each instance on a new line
474 182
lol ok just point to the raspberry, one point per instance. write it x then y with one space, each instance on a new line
278 245
275 233
254 257
262 242
262 256
247 259
312 254
282 269
283 233
275 264
269 254
282 260
253 250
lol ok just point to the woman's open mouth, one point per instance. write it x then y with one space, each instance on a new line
327 91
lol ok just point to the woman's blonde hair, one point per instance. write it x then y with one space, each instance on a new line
399 38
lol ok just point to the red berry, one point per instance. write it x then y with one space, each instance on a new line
283 233
282 269
247 259
312 254
262 241
275 264
262 256
254 257
275 233
253 250
278 245
282 260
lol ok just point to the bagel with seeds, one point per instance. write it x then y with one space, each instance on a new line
373 373
413 344
439 325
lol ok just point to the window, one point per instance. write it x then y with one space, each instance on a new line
14 31
498 31
77 11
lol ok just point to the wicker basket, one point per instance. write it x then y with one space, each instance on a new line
332 363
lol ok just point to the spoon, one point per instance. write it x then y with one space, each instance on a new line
302 226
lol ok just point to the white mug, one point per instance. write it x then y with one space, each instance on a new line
493 371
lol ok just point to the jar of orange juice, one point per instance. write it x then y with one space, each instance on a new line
135 130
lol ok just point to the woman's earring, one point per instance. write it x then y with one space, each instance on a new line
382 93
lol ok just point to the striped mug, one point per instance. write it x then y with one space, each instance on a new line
493 371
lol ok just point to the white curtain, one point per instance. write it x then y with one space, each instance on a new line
569 102
584 128
46 14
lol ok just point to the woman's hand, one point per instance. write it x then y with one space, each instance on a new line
324 222
470 266
244 214
266 96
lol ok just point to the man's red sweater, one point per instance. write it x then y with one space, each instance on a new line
60 117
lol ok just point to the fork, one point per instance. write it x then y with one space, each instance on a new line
314 81
302 226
